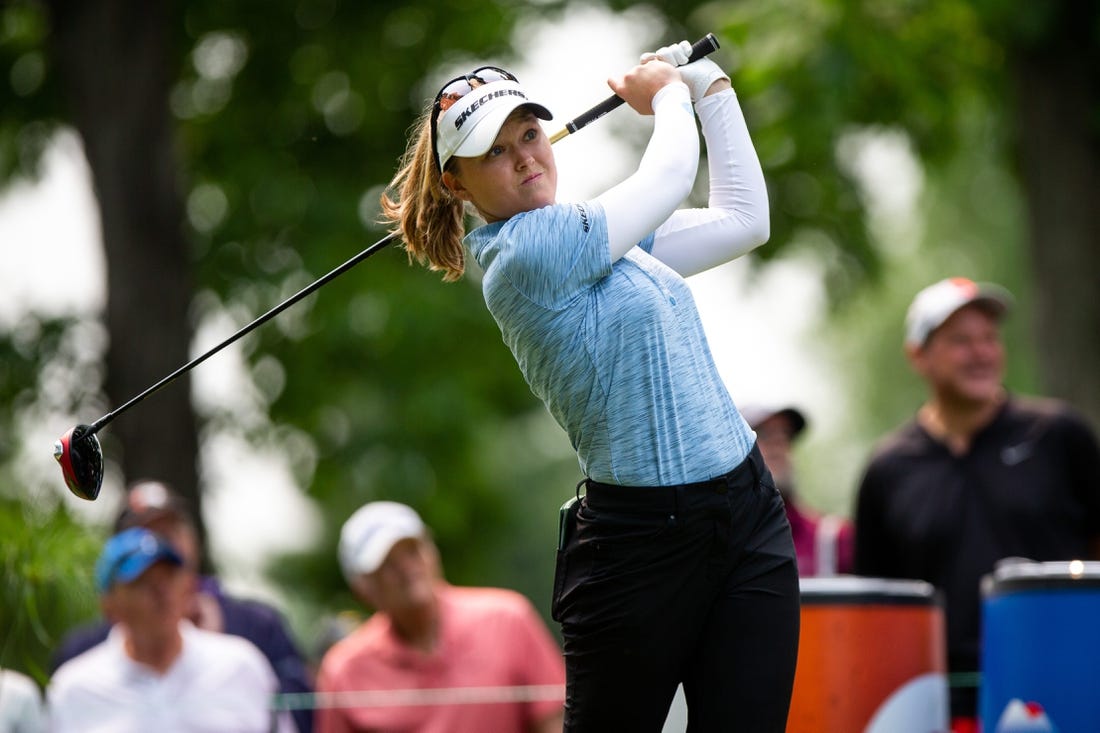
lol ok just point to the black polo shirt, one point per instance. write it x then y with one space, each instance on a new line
1028 487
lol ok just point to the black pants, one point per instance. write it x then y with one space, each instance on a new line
696 584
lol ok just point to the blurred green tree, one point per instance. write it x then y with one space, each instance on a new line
237 151
45 583
998 103
1021 83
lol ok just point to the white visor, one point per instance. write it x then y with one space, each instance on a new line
470 126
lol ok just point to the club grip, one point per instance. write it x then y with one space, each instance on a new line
706 45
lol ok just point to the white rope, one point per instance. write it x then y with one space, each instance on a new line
420 696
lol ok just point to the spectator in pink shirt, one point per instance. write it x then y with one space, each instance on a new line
434 658
824 543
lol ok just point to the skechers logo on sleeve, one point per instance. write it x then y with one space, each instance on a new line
482 100
583 212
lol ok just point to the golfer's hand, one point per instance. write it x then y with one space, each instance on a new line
677 54
700 76
638 86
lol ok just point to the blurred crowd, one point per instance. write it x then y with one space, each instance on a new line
174 651
977 475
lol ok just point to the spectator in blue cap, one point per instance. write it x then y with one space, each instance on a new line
156 670
155 506
127 555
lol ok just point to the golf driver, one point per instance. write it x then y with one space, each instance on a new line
78 451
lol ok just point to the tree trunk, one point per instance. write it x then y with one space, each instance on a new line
113 56
1058 93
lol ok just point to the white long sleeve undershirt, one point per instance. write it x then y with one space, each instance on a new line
643 201
692 240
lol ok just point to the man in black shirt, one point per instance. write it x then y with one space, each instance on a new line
977 476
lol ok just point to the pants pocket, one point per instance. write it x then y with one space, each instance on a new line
559 584
567 527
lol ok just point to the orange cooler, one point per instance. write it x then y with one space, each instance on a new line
871 658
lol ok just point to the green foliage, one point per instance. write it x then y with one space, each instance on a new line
970 225
45 557
811 71
46 583
46 364
388 383
29 97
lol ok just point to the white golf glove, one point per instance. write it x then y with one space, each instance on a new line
698 75
677 54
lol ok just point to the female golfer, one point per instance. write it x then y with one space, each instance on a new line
677 565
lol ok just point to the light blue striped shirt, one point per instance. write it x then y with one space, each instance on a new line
617 352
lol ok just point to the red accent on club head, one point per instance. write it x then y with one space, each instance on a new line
63 456
81 459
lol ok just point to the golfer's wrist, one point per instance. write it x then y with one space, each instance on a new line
676 92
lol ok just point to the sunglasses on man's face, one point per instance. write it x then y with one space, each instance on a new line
458 88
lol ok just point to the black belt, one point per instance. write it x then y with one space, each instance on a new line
659 498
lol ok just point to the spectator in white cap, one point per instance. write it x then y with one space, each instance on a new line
823 543
976 476
156 670
450 658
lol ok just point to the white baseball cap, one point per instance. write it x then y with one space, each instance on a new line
372 531
939 301
468 127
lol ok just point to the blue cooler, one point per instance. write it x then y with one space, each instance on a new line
1041 647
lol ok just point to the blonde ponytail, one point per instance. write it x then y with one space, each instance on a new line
429 218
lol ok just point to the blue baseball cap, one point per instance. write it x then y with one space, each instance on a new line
130 553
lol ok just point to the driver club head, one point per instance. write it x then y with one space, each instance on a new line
81 460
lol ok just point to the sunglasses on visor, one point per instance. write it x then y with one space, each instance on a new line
458 88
